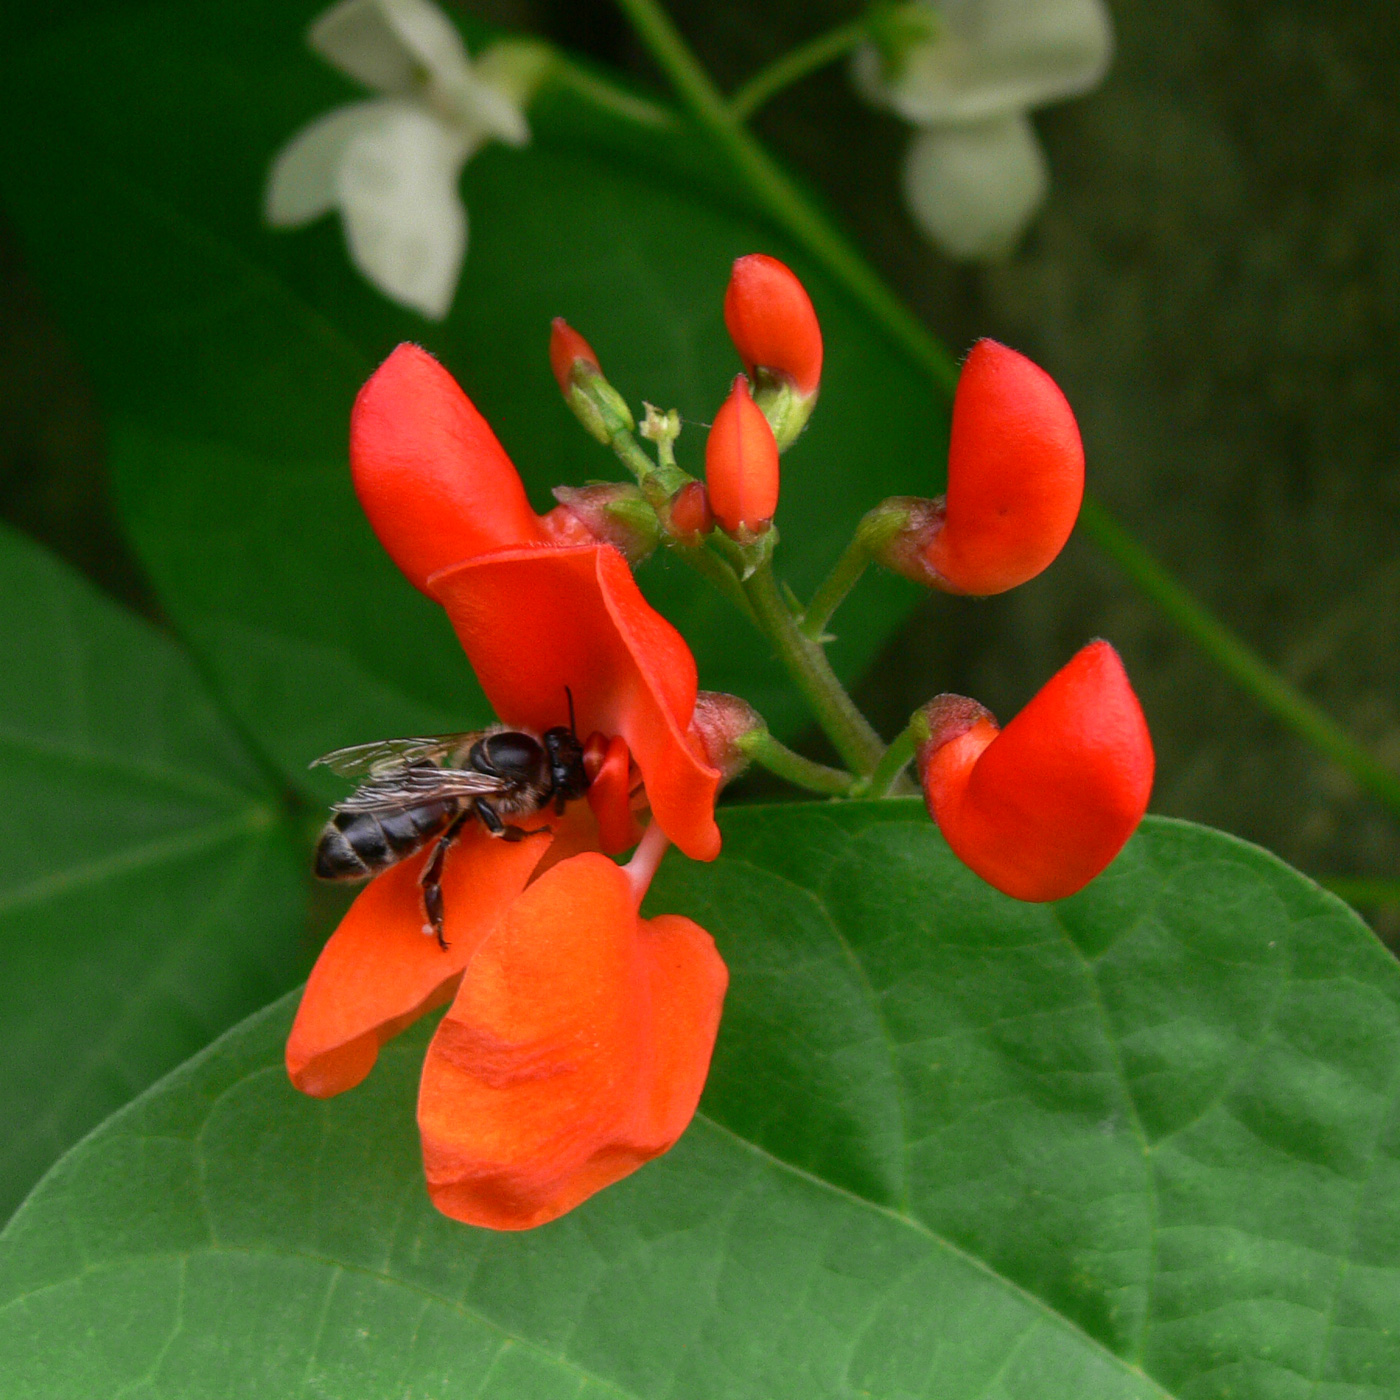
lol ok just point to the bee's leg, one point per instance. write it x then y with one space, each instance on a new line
491 820
431 878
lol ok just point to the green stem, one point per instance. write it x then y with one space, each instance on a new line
849 730
717 572
795 65
608 96
833 589
793 211
895 760
760 746
1236 659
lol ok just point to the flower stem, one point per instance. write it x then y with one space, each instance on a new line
849 730
609 97
894 760
795 65
766 751
790 208
832 591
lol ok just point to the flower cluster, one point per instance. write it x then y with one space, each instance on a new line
578 1034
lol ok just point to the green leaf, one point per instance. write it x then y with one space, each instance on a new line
148 897
132 161
1142 1143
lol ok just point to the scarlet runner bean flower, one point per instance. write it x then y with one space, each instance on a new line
579 1035
741 465
1041 807
775 330
1015 484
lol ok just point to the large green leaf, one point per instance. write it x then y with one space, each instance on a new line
147 895
1142 1143
132 157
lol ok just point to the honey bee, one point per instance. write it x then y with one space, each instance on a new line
421 790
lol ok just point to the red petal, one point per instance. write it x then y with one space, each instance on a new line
610 797
534 621
436 484
575 1051
1015 474
379 972
771 322
1040 808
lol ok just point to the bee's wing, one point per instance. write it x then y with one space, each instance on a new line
388 756
415 787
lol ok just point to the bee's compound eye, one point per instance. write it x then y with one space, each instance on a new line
514 755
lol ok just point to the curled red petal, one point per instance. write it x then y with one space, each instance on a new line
379 972
741 464
1015 475
1040 808
435 483
574 1052
535 621
771 321
610 797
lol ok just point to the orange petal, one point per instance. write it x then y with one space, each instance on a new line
574 1052
535 621
379 972
610 798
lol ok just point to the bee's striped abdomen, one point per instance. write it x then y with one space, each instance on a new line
356 845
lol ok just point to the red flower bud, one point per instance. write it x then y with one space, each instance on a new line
772 323
1015 476
690 516
741 465
566 348
435 483
1041 807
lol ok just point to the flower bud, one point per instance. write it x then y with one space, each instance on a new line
741 466
613 512
1015 483
774 328
722 722
1041 807
690 518
595 403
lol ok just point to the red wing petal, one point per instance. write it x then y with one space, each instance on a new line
574 1052
379 972
534 622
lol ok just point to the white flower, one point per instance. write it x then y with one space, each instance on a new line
391 164
975 173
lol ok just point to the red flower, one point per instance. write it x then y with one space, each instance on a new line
741 465
580 1034
1041 807
771 322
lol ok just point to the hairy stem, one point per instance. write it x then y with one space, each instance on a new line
766 751
806 662
832 591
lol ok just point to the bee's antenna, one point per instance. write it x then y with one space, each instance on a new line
573 723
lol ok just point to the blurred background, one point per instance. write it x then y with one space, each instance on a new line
1214 281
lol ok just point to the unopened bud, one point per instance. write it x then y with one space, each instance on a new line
1040 808
722 722
613 512
595 403
690 518
775 330
741 466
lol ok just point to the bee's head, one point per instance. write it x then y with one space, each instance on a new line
566 762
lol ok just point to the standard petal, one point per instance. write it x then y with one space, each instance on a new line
302 183
432 477
973 189
359 38
404 219
992 57
534 622
574 1052
379 972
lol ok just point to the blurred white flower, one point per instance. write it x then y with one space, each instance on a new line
391 164
975 173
